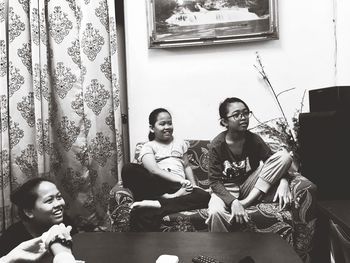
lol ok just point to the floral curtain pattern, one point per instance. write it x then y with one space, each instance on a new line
60 112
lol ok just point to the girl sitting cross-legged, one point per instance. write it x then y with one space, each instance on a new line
242 170
162 182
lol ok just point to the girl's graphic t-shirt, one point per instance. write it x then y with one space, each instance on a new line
227 172
169 157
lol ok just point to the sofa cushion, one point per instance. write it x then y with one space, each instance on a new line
264 218
198 155
119 202
187 221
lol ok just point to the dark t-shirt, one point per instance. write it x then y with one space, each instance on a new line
13 236
224 167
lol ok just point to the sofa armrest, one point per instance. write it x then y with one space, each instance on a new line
304 214
118 211
304 193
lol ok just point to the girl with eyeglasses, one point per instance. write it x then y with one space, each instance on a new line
242 169
162 182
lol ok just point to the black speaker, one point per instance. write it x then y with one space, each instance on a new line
329 99
324 139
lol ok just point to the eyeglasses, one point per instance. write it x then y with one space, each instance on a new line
239 115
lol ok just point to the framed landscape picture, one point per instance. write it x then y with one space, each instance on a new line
176 23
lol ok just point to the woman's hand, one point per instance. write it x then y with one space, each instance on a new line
238 212
56 230
30 251
283 194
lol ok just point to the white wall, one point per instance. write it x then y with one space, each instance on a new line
343 42
192 81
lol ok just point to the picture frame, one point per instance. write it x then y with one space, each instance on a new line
179 23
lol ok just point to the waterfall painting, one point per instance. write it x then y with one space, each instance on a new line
176 23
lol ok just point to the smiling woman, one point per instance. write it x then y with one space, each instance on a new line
40 206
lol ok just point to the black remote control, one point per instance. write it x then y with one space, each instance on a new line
205 259
247 259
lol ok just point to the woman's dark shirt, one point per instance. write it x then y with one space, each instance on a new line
17 233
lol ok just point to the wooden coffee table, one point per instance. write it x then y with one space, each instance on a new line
147 247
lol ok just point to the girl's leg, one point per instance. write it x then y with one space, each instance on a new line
266 175
218 215
180 192
197 199
148 217
142 183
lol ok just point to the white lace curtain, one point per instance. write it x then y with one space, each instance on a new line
59 102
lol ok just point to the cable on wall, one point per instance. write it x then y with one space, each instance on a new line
335 20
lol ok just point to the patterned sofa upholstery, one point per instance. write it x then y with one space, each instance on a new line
296 225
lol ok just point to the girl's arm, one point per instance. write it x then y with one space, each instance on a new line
149 162
188 170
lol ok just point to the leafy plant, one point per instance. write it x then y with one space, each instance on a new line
281 131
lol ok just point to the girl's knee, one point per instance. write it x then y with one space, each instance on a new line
129 172
215 210
284 157
200 193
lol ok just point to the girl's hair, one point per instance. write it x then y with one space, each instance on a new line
152 119
223 107
24 197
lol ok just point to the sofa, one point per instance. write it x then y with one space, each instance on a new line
296 224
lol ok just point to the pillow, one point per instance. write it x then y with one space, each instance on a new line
198 155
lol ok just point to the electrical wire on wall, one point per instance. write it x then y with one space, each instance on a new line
335 20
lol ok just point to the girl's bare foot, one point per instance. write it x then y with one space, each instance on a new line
182 191
146 204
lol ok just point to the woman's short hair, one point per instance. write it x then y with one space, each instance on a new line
25 196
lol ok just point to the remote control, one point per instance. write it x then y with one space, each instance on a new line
205 259
247 259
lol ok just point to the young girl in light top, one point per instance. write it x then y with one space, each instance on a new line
162 178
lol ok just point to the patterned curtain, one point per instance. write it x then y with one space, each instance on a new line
59 102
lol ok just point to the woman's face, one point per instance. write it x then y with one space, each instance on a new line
163 128
235 120
49 205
